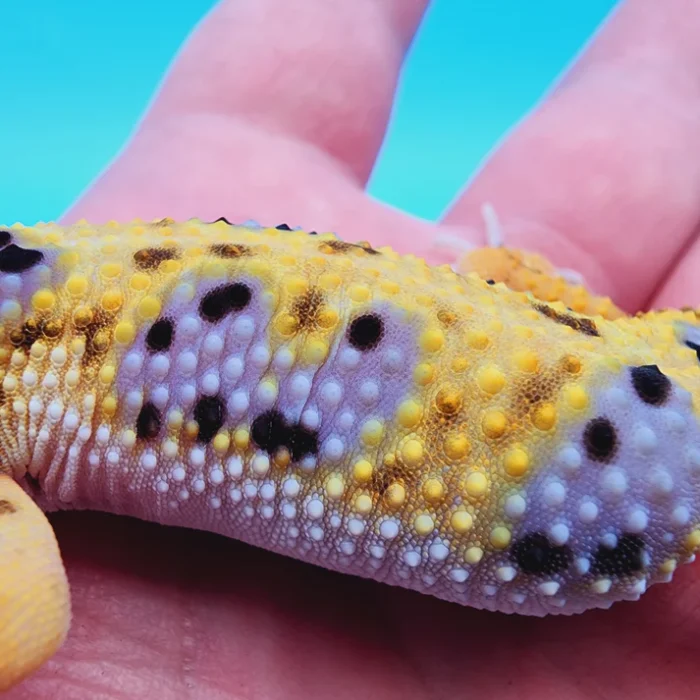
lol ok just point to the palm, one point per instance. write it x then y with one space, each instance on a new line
599 179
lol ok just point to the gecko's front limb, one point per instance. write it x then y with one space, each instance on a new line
34 595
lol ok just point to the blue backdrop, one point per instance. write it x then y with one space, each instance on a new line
76 75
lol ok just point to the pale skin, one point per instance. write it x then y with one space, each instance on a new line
603 177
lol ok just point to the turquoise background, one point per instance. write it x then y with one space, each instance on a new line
76 75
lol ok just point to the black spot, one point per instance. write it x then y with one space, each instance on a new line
366 331
582 325
651 384
224 300
283 227
16 259
209 414
148 422
5 237
490 281
150 258
694 346
160 335
624 559
302 442
270 431
535 554
224 219
600 439
6 508
313 233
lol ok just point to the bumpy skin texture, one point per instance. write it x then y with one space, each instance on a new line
524 271
351 408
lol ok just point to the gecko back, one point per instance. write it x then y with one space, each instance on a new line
351 408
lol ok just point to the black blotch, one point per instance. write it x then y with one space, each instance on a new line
31 330
5 237
224 300
338 246
6 508
229 250
306 307
283 227
366 331
160 335
694 346
148 422
490 281
209 414
313 233
271 431
16 259
369 250
600 439
224 219
535 554
581 325
302 442
97 336
150 258
25 336
651 384
624 559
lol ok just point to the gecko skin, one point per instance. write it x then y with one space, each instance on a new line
348 407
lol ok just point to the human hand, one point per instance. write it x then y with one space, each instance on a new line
269 114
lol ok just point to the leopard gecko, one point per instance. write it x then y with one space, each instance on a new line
341 404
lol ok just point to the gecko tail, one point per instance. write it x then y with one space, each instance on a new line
35 608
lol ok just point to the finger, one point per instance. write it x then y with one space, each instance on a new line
34 595
269 101
602 177
300 68
682 288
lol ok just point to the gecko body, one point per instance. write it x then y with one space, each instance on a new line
351 408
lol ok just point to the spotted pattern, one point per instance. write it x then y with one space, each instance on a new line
583 325
535 554
151 258
271 432
356 410
621 559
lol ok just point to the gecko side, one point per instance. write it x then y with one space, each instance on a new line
349 407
